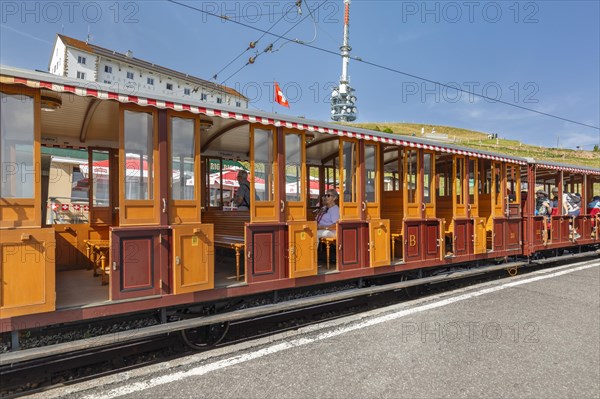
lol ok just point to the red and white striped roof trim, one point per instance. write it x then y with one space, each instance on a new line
569 169
143 101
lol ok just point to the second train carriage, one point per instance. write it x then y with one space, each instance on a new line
139 190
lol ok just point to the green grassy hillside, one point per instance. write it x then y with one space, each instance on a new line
479 140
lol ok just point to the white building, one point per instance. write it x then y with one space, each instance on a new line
76 59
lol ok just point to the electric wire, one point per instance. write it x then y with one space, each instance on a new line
279 37
390 69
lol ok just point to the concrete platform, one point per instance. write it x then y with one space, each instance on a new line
536 335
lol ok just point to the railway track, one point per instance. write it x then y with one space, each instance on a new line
25 372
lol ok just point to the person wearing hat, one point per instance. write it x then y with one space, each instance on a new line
542 204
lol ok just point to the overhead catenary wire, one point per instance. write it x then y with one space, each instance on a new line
389 69
279 37
251 45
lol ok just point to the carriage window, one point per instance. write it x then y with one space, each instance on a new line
214 181
427 177
472 180
68 186
16 153
512 184
485 177
371 169
392 175
349 165
139 162
460 173
411 176
293 170
263 165
183 149
313 186
443 170
331 177
100 177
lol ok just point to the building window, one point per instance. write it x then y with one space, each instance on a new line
107 69
169 86
219 100
107 82
80 60
203 97
238 104
186 92
150 81
80 75
129 75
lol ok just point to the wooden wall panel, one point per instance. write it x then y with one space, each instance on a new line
499 234
513 234
412 241
431 235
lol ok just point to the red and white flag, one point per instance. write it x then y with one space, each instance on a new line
279 97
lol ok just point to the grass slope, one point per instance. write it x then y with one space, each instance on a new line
479 140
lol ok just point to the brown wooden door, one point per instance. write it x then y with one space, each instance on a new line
379 242
351 245
139 262
264 251
479 236
302 244
193 258
431 240
413 249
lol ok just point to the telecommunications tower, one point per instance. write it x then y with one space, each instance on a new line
343 100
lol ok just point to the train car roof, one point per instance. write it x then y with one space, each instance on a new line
47 81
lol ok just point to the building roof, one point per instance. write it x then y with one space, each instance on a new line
101 51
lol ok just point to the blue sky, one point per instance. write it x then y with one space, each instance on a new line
543 55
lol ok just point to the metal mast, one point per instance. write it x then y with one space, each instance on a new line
342 97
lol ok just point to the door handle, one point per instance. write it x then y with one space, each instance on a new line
469 207
423 206
164 208
282 205
364 206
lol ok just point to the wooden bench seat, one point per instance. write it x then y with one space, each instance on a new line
229 231
97 252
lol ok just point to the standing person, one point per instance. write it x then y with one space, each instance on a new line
328 215
242 195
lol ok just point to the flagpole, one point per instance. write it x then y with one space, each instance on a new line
273 102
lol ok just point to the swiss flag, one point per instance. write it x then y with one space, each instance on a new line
279 97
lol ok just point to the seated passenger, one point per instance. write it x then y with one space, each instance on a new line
571 204
554 202
594 206
571 207
242 195
542 204
328 215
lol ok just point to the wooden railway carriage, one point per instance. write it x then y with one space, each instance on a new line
148 217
